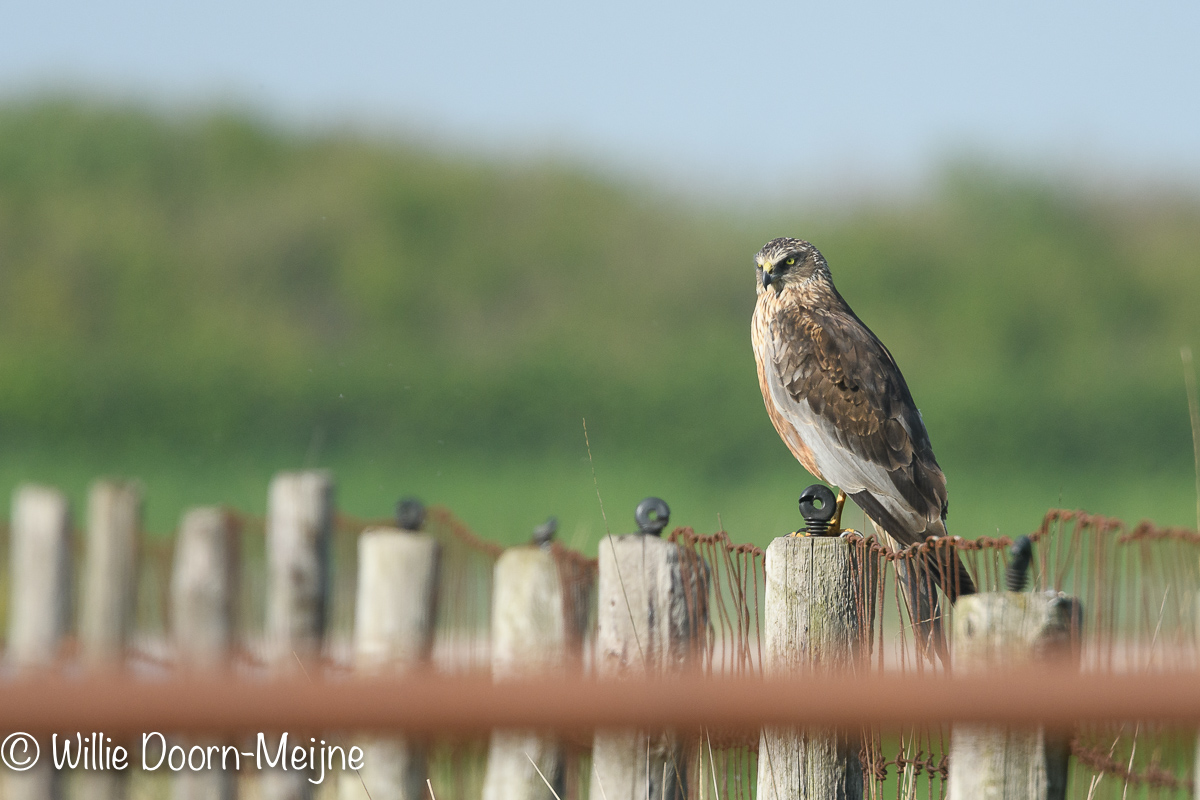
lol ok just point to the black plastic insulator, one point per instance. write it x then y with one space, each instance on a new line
1018 565
652 516
543 534
410 514
817 506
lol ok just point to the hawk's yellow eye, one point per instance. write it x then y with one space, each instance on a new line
791 261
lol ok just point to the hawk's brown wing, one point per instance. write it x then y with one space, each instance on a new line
849 379
839 388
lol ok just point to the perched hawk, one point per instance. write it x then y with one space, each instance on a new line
838 400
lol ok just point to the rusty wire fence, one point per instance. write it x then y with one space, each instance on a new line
1138 591
1137 587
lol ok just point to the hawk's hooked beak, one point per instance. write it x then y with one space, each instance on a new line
766 275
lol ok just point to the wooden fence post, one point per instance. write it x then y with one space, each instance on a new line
811 624
110 572
532 634
1005 630
394 614
652 619
299 527
109 598
204 581
39 610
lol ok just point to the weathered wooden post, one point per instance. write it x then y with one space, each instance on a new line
109 598
533 633
1006 630
39 576
110 572
652 620
812 624
299 527
203 592
394 614
39 611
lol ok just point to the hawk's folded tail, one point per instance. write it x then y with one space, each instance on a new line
950 573
951 578
924 609
920 578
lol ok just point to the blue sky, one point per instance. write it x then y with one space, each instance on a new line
746 96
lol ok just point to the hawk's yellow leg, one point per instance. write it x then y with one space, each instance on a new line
835 524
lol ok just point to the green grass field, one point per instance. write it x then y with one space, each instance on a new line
504 499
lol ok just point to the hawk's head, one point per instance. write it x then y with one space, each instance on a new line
786 262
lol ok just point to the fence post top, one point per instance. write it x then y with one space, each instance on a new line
319 476
524 552
791 542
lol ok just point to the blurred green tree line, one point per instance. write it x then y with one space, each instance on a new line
215 282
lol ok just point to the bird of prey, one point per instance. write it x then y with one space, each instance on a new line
840 404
